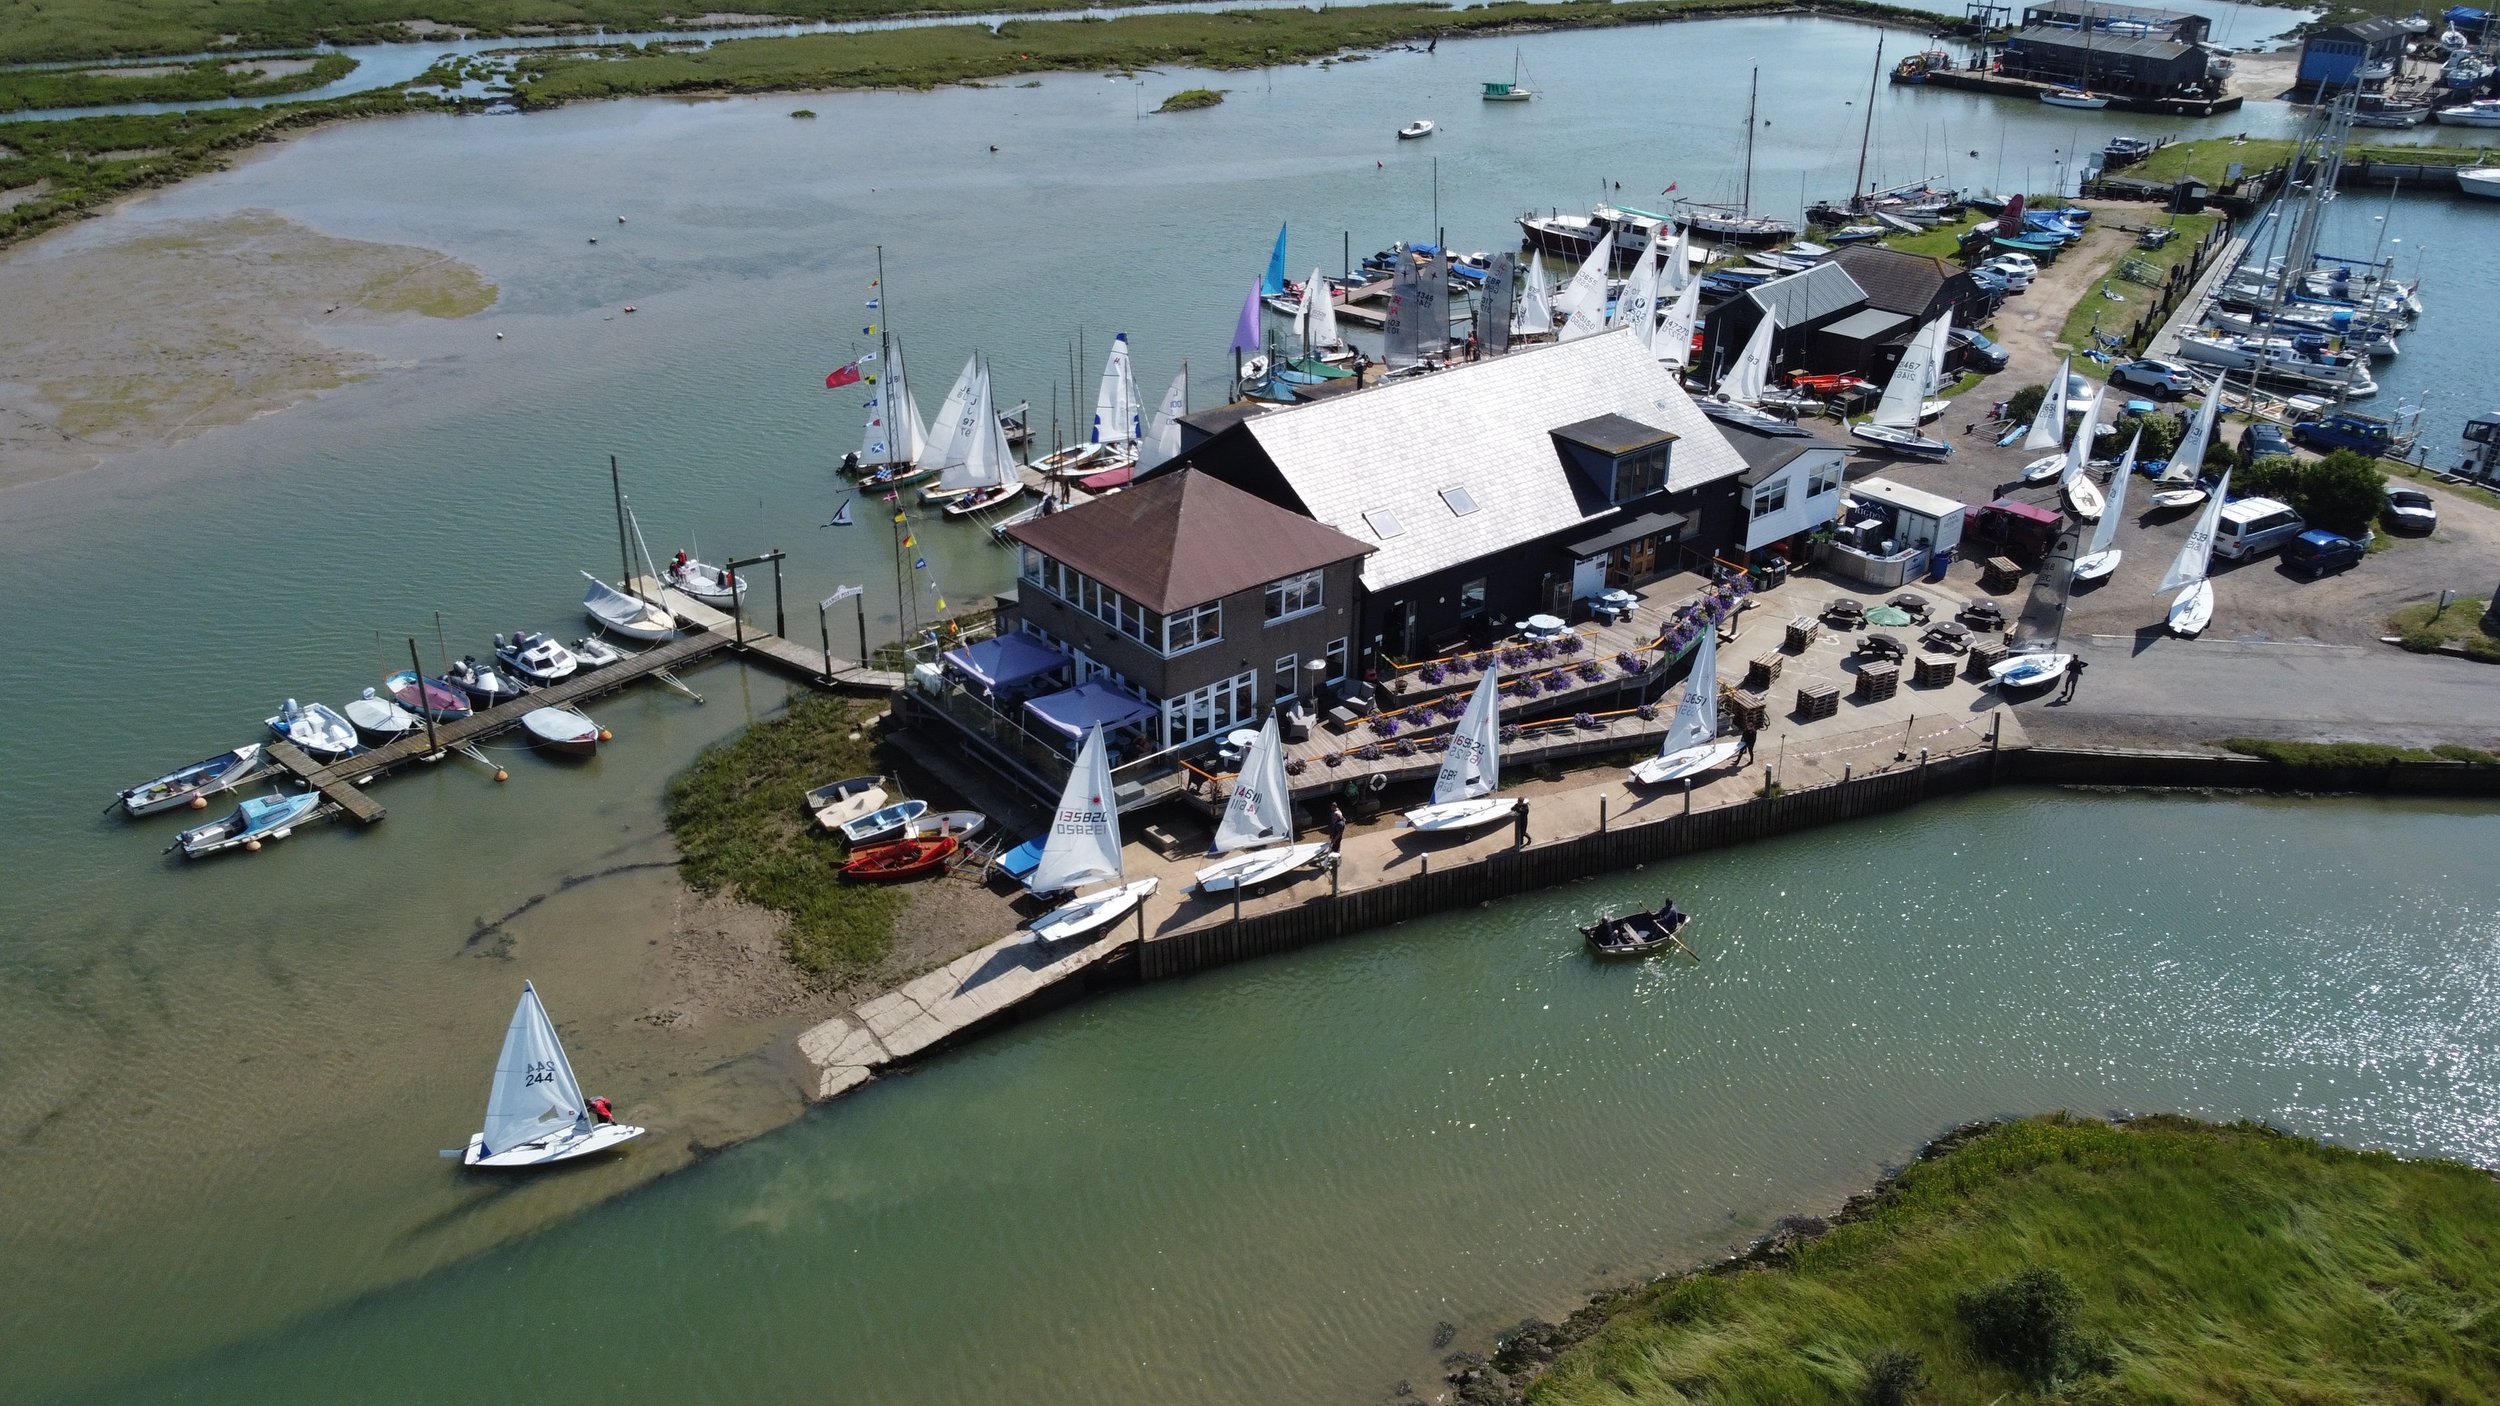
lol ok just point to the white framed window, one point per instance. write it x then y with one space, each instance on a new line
1770 498
1295 595
1338 660
1288 676
1193 628
1827 479
1219 707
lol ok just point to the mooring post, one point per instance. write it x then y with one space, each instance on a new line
1236 907
1425 861
1688 789
1336 866
1847 770
1601 815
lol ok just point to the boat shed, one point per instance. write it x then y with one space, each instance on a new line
2119 21
1499 489
1805 303
2150 66
1917 287
2334 55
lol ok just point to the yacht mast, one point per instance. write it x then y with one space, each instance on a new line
1866 134
1744 200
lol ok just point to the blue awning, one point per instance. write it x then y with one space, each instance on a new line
1006 661
1074 713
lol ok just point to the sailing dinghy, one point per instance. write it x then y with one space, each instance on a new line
1258 814
2193 608
1084 848
1898 414
2048 429
315 728
194 784
980 460
630 616
535 1112
1471 771
2101 558
2082 494
1692 743
2178 482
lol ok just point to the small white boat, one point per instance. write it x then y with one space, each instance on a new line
192 785
1692 743
259 818
962 824
886 823
2189 574
379 719
1253 867
2084 497
2480 180
1901 440
982 500
630 616
1257 815
1075 461
2101 554
2074 97
535 659
712 585
2029 670
535 1112
2045 468
1894 425
566 731
315 728
1090 913
592 652
2175 498
1471 771
2192 610
838 803
1083 847
1417 128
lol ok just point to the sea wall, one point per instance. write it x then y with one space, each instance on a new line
2084 766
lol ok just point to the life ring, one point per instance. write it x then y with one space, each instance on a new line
1379 781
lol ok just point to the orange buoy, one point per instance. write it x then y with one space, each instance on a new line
502 775
251 846
606 736
199 802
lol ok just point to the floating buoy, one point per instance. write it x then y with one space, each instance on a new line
251 846
620 219
594 239
502 775
629 307
199 802
606 736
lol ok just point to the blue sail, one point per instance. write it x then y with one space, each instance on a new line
1274 284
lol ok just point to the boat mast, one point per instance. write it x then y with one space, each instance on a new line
892 378
1744 200
1866 133
624 554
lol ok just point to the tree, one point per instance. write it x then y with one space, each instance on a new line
2026 1322
2274 476
2162 434
2025 404
2342 492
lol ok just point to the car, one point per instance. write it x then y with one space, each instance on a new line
2016 278
2162 378
2318 551
2263 439
2346 429
2023 263
1978 351
2410 510
2080 391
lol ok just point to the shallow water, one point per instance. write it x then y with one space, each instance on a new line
224 1084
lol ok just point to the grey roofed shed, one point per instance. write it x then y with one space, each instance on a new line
1486 427
1869 325
2099 45
1801 298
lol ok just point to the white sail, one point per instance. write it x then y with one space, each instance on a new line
2105 531
2048 423
948 437
982 441
1261 809
2196 554
894 435
1115 403
1906 393
1939 335
1084 842
1696 722
1535 312
1316 320
1587 288
535 1094
1673 341
1680 261
1638 307
1750 378
1163 433
1473 765
2079 452
2188 460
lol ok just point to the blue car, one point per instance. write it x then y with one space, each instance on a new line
2318 552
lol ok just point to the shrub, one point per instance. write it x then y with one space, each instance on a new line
1592 672
1333 759
1385 727
1514 657
2025 404
2027 1323
1647 712
1587 720
1296 767
2456 753
1510 732
1569 645
1529 687
1893 1377
2161 433
1369 751
2274 476
2342 492
1541 651
1432 673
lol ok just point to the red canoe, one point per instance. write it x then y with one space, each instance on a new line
903 859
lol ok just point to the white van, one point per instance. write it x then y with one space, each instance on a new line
2253 526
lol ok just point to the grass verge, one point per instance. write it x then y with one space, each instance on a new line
2206 160
2092 309
738 820
203 81
2330 755
2195 1263
2425 628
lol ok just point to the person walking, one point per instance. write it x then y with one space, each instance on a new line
1744 752
1336 829
2074 675
1519 838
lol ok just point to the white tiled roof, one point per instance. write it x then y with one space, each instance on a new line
1485 428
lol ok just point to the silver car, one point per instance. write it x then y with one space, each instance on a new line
2410 510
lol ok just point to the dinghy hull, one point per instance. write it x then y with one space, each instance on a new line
1692 761
1092 913
563 731
602 1137
1456 817
201 779
2193 610
1252 868
2029 671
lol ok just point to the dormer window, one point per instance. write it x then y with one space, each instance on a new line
1622 457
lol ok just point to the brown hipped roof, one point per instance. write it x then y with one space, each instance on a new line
1185 539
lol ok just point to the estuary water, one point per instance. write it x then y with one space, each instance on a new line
224 1084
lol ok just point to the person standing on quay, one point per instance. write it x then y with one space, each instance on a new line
1336 829
2074 675
1744 752
1519 838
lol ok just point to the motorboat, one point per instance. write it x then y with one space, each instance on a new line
2482 181
884 824
897 860
535 1112
535 659
439 699
630 616
2482 112
485 685
1637 934
316 729
380 719
2074 97
1417 128
259 818
565 731
194 784
712 585
591 652
838 803
2034 670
